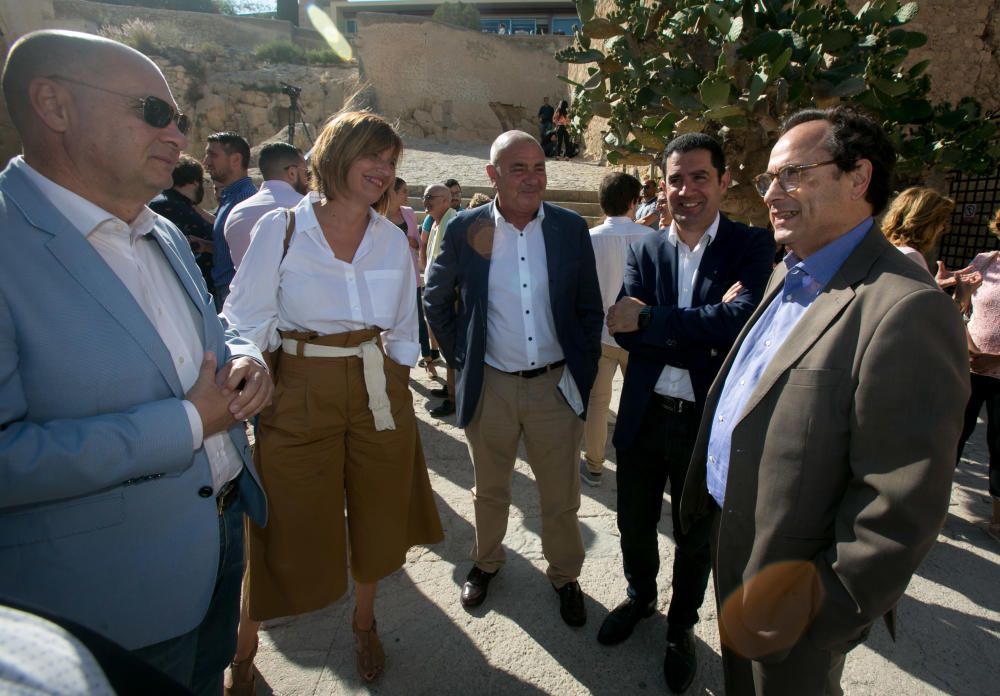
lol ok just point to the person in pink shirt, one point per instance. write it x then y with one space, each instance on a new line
984 363
286 181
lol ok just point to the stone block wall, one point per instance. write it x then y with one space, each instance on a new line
456 85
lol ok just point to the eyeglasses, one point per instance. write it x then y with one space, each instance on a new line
153 110
431 197
789 177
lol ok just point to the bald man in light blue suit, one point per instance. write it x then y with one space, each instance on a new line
115 511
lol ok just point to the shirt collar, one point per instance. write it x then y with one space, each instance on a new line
498 216
84 215
710 233
237 185
824 263
277 186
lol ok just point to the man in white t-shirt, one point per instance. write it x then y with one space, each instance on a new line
619 196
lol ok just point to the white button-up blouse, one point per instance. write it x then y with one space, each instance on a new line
313 290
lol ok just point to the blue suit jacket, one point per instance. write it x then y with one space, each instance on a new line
696 338
461 273
101 520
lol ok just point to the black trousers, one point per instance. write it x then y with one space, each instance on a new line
660 452
985 390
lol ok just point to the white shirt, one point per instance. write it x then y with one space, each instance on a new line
611 240
240 223
520 330
674 381
136 258
313 290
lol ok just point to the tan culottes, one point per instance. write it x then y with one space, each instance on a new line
317 445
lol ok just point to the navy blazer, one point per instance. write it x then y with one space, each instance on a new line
695 338
455 298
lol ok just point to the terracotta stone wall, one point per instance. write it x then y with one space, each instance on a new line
457 85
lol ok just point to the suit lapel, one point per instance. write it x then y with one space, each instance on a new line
708 270
553 254
190 285
666 263
90 270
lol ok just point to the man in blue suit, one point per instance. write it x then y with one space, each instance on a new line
514 302
124 463
687 292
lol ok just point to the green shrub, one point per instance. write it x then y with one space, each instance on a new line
323 56
281 51
137 33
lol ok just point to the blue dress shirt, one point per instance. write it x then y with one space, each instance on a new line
222 263
805 280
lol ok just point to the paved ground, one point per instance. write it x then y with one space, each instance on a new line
949 620
426 162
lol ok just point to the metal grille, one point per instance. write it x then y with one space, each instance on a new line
976 199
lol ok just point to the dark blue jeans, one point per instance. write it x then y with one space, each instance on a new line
660 452
199 657
425 339
985 390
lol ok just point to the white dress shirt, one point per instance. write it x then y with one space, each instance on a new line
611 240
520 330
134 255
313 290
240 223
674 381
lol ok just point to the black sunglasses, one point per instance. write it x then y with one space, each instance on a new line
153 110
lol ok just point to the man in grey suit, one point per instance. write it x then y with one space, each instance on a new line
124 463
820 456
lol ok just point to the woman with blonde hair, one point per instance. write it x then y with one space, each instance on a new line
328 288
916 220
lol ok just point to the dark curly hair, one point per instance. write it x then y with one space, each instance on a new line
855 135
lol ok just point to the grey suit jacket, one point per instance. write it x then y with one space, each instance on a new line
841 463
107 514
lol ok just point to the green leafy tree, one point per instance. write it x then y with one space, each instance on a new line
459 14
736 68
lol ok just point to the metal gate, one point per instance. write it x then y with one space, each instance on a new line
976 199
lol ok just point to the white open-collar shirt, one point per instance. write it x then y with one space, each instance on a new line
136 258
520 329
674 381
313 290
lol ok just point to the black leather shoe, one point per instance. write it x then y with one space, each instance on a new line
477 585
440 392
680 662
571 603
445 408
620 623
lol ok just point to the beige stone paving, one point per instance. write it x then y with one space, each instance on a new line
426 162
949 621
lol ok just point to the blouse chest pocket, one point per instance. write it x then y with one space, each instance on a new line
384 291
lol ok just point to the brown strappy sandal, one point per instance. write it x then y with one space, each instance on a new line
371 656
243 676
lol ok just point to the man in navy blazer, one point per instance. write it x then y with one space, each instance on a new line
514 302
688 290
124 462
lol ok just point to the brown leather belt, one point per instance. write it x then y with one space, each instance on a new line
672 404
528 374
227 496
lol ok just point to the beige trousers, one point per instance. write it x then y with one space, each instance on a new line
510 408
595 430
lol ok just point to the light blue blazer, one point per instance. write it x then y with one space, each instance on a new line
104 514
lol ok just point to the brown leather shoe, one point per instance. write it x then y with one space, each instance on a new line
242 677
476 586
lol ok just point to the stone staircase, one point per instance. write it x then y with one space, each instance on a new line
583 202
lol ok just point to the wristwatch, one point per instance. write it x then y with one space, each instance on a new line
645 314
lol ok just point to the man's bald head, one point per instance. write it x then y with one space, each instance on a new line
71 54
506 141
437 200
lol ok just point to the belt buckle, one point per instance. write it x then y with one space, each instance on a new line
223 497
